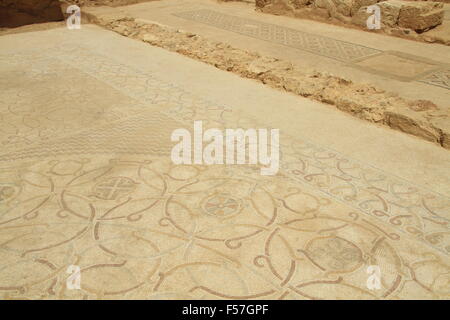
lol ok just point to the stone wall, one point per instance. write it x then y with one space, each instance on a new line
415 16
15 13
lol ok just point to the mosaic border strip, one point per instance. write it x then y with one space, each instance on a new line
324 46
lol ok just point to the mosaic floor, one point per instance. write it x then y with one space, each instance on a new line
397 66
86 180
328 47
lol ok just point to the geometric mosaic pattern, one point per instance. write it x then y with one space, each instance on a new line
141 134
439 78
328 47
140 227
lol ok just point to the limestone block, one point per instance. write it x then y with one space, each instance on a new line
298 4
328 5
277 7
335 8
360 17
389 14
262 3
420 16
357 4
286 4
344 7
390 11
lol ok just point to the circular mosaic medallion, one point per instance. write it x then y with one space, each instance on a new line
221 205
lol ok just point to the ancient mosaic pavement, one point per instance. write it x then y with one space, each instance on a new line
328 47
101 193
439 78
343 51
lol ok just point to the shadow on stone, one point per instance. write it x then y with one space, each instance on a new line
16 13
